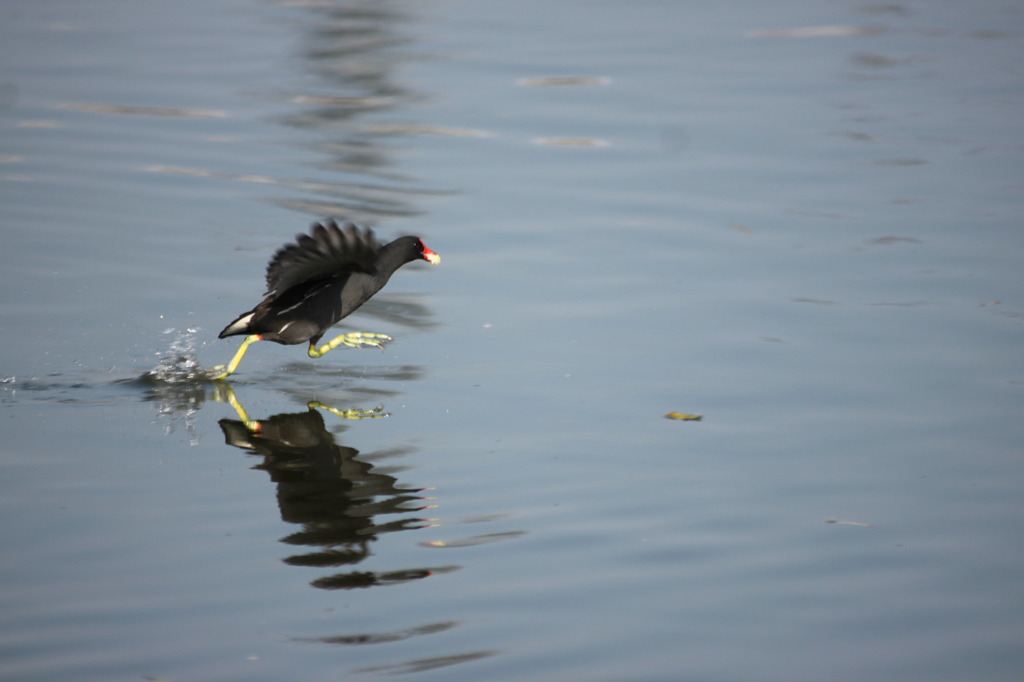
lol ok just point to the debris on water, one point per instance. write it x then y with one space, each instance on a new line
684 417
850 523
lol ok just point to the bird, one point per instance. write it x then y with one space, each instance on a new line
317 280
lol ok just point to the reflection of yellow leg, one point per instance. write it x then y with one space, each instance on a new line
375 413
223 393
352 340
229 394
233 365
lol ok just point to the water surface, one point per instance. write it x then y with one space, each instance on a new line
802 224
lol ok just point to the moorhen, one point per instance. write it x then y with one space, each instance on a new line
318 280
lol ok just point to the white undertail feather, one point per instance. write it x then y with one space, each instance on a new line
239 325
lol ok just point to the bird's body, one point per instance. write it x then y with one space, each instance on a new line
318 280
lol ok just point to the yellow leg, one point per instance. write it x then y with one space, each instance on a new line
233 365
352 340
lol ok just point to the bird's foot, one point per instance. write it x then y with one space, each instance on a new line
217 373
375 413
221 372
352 340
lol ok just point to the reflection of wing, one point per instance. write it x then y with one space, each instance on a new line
326 251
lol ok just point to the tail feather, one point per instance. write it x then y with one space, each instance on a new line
239 326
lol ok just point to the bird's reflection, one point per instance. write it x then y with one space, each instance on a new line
341 504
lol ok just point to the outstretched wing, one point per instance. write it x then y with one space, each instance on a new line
326 250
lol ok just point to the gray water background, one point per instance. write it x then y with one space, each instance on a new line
801 220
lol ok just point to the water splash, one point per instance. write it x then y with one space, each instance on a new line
179 364
7 389
176 383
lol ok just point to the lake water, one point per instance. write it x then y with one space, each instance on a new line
800 220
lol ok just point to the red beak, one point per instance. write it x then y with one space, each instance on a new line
429 255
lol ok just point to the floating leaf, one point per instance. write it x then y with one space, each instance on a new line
851 523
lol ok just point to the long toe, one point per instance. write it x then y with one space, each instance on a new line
366 340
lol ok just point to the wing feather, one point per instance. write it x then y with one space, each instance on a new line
327 250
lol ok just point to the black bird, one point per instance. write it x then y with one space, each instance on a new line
315 282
